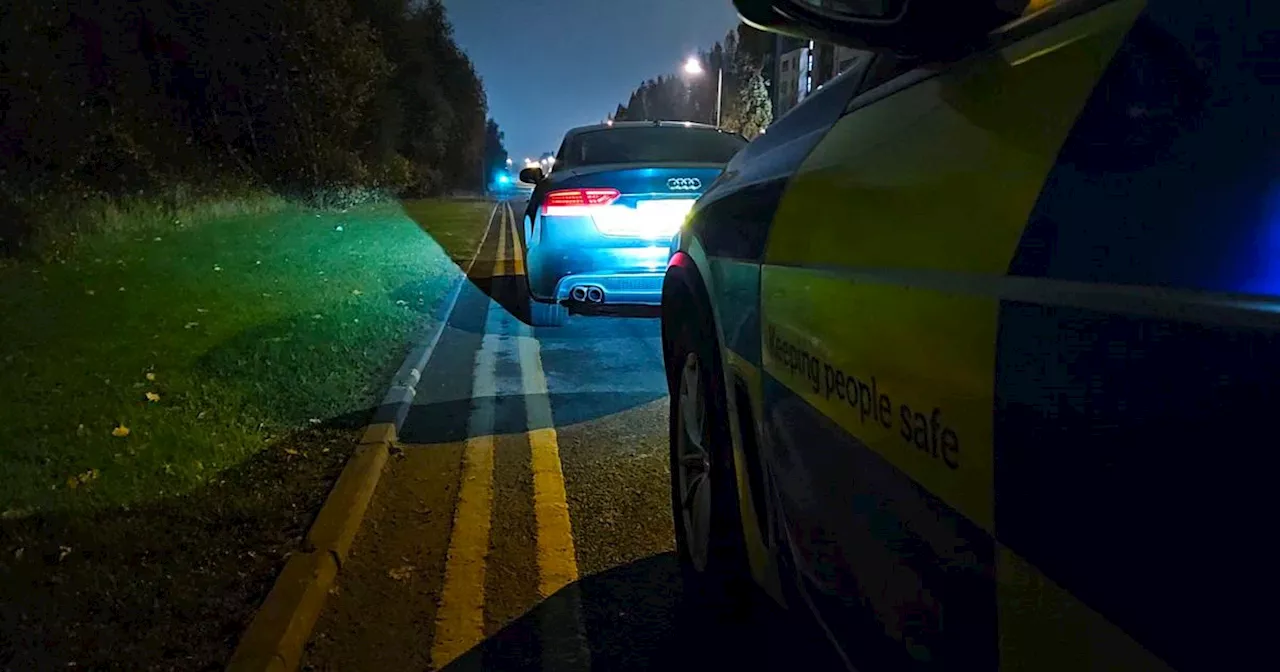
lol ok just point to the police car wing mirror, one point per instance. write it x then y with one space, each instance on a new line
904 27
531 175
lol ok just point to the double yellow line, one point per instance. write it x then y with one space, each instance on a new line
459 622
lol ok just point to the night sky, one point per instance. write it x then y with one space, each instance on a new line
549 65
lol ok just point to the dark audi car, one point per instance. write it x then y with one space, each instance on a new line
599 226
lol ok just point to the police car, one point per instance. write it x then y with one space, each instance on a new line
973 355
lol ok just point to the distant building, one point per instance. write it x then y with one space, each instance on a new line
799 67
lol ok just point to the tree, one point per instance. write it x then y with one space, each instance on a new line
107 99
753 109
745 104
495 153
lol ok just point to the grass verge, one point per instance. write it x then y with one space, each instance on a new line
241 355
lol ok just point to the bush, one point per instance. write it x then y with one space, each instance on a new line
47 225
108 105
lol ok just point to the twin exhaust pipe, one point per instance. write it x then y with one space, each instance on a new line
587 294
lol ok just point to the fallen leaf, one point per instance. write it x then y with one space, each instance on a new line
401 302
153 397
337 228
15 514
202 310
120 431
191 324
291 451
63 551
356 292
151 375
121 289
257 263
156 239
401 573
314 421
217 267
90 292
87 477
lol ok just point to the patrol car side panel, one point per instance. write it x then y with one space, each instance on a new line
880 352
1127 384
725 239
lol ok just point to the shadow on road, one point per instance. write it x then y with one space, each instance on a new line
635 617
446 422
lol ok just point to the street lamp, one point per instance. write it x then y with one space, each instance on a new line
693 67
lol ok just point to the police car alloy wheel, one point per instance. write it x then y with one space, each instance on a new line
704 493
693 464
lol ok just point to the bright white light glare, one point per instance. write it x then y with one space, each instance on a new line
693 66
608 122
649 219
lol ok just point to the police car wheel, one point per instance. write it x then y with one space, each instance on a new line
547 314
703 487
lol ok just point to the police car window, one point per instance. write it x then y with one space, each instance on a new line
650 144
884 68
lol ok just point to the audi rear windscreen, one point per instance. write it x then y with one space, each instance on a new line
649 144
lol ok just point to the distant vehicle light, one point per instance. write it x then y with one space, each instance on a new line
504 179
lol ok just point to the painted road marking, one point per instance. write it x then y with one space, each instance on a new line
459 622
500 260
517 247
460 618
564 642
557 560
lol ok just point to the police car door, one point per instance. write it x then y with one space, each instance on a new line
879 328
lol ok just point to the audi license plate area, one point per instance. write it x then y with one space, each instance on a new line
662 217
655 218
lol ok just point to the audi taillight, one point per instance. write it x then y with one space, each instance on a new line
576 201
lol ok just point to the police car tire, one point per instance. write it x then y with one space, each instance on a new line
547 314
725 584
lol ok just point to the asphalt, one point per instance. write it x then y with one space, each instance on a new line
525 522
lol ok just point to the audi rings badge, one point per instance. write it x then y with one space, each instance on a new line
684 183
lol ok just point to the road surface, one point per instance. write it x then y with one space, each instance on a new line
526 522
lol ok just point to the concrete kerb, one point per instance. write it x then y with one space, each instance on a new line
275 638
